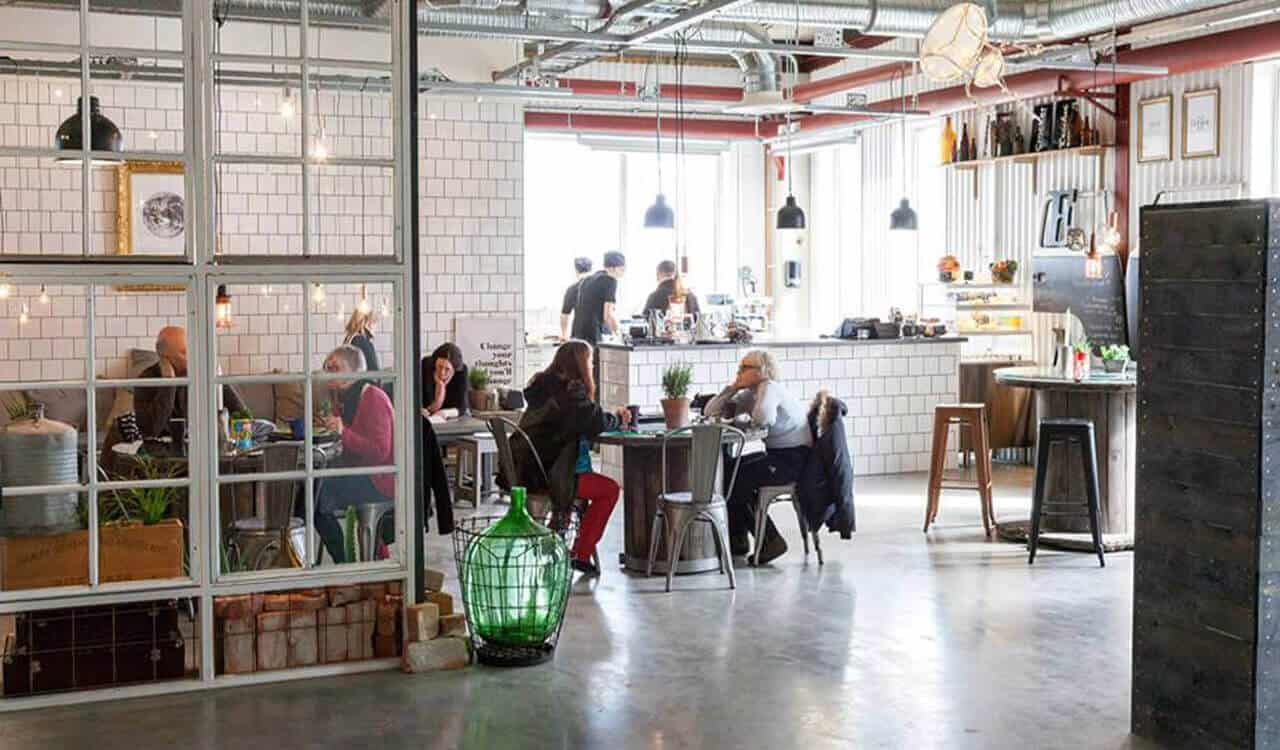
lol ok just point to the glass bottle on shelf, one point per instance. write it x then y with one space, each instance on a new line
948 145
965 154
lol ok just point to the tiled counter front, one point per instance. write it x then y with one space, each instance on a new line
890 388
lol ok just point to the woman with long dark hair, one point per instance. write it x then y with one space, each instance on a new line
444 380
561 420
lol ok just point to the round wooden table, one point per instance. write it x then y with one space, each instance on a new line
641 485
1110 402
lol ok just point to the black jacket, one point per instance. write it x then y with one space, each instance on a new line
660 299
436 481
455 391
826 486
558 415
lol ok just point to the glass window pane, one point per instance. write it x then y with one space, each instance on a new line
356 314
262 522
42 24
40 91
42 332
355 516
108 27
143 532
146 435
264 330
43 538
352 211
259 209
351 113
41 206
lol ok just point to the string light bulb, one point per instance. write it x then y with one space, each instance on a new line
287 106
363 305
319 149
4 291
266 290
385 310
24 316
317 294
44 295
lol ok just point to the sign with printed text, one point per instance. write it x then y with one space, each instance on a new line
490 343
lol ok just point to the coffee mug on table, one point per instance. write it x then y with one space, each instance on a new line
635 415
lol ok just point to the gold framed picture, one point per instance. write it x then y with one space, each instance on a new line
151 215
1155 129
1201 118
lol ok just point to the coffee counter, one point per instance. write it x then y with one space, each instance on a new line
890 387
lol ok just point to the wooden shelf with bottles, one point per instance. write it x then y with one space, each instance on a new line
1031 157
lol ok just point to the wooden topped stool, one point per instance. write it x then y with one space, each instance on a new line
973 416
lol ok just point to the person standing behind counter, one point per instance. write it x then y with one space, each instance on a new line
756 390
670 292
583 268
597 295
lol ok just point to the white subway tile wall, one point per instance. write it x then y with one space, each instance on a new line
890 420
471 214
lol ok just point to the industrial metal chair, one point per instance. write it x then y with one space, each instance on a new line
539 505
677 511
273 537
768 495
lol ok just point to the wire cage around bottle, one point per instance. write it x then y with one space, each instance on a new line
515 587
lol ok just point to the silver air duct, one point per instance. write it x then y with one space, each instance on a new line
759 70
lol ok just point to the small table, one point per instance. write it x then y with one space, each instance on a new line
467 427
641 485
1110 402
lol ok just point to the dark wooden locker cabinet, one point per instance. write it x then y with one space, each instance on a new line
1206 579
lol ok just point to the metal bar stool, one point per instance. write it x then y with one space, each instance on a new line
1066 430
973 416
767 496
677 511
539 506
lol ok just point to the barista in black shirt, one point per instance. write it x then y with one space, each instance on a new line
583 267
670 292
597 295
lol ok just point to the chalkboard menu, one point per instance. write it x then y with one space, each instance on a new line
1059 284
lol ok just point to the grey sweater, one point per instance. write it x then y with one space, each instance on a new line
772 407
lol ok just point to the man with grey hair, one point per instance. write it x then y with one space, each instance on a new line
155 406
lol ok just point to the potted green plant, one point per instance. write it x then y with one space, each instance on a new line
675 385
478 379
1081 353
1115 357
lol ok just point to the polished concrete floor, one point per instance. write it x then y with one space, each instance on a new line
901 640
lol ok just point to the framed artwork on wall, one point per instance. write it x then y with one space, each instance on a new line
1201 131
1155 129
151 214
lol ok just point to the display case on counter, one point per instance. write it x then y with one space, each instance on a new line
995 318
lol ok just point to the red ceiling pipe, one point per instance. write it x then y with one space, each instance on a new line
584 123
807 92
669 91
1201 53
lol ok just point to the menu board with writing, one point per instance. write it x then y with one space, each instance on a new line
1059 285
490 343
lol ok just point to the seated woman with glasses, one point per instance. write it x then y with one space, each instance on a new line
561 420
365 423
758 392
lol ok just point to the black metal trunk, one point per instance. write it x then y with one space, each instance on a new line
1206 670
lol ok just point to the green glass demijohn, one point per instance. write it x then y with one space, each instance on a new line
516 580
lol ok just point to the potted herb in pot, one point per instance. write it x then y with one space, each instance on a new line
478 379
675 385
1081 352
1115 357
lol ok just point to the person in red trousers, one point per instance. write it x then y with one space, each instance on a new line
561 420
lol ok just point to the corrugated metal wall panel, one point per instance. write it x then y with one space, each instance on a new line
1225 174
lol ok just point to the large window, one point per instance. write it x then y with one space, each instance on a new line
583 201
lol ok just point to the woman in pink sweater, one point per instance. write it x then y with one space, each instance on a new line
365 423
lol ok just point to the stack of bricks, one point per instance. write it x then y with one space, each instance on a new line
262 632
437 635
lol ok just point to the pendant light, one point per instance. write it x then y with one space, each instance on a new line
659 215
104 136
903 218
791 216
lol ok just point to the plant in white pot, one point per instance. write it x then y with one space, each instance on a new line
478 379
675 385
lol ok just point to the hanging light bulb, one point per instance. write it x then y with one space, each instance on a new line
319 149
363 305
288 108
385 310
659 215
1093 260
24 316
903 218
790 216
317 294
44 295
222 309
4 291
266 290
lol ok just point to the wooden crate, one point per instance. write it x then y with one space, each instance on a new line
127 552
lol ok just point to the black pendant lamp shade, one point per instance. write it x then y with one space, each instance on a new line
103 133
790 216
903 217
659 215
